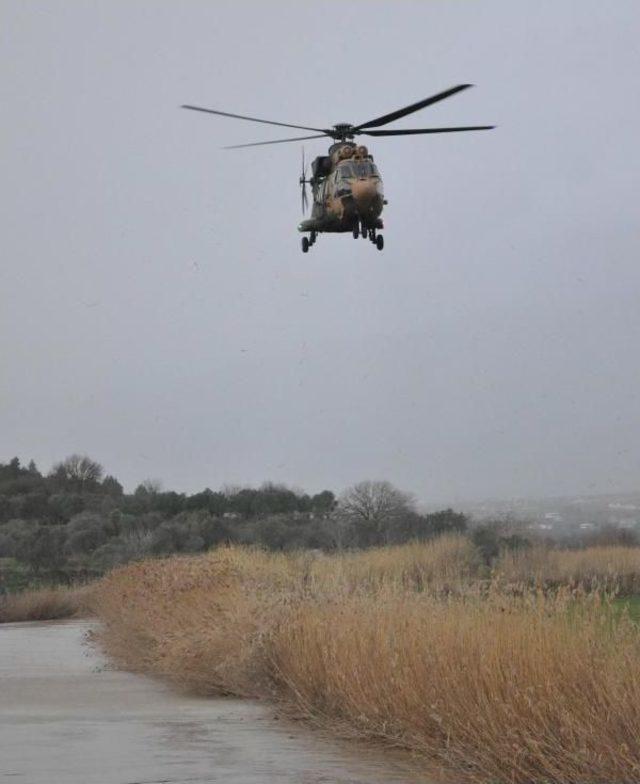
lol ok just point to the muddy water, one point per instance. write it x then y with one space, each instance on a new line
67 719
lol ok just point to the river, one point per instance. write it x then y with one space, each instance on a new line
68 718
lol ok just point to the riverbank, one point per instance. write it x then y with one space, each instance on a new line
409 646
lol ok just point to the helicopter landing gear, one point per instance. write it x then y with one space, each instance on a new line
376 239
356 232
307 242
363 232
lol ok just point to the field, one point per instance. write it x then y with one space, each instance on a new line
521 675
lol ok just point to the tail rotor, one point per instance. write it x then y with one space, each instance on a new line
303 185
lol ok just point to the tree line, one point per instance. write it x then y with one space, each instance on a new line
76 521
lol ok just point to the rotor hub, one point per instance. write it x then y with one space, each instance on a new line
343 131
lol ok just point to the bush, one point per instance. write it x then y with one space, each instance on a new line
43 605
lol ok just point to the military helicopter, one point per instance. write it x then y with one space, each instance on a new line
347 189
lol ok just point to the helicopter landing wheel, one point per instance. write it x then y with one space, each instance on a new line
379 242
356 232
305 245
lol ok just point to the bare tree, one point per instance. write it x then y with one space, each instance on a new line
78 471
150 487
372 509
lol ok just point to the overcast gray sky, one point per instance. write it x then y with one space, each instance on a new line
157 313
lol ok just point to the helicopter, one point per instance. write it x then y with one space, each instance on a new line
346 185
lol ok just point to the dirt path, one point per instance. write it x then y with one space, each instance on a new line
66 719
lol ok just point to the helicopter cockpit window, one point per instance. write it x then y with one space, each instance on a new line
363 169
343 180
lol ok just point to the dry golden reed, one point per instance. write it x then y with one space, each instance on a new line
499 690
449 564
612 568
43 604
400 645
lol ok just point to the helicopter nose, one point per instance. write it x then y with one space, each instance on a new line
367 197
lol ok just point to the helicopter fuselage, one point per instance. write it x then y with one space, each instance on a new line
348 194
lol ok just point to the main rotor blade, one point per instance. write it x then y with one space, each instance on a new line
411 131
275 141
252 119
387 118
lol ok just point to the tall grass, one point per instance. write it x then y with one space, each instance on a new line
497 690
447 565
397 644
611 568
43 604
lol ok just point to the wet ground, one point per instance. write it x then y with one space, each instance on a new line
65 718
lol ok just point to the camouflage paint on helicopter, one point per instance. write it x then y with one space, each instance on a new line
346 184
348 194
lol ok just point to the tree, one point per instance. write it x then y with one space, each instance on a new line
323 502
41 547
373 509
63 506
150 487
86 532
168 537
214 531
14 468
108 555
421 527
216 503
111 486
35 505
273 533
447 522
78 471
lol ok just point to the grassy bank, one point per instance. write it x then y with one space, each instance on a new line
408 645
43 604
